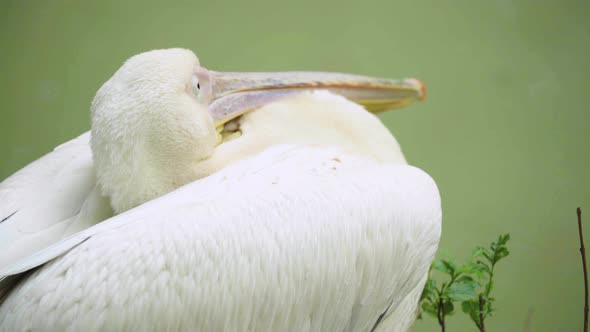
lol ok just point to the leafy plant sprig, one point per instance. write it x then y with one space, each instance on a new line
470 283
485 261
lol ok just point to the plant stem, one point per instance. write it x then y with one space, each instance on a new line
583 252
482 327
489 286
441 315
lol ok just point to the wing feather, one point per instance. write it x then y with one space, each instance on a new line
293 239
48 200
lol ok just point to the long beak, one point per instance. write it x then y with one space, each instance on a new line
233 94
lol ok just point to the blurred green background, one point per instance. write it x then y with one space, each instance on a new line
504 130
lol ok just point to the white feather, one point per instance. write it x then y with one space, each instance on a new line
48 200
274 259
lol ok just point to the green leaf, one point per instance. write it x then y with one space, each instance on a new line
499 248
429 308
483 266
489 256
503 239
500 253
430 291
464 288
480 252
448 308
445 265
488 309
471 308
472 268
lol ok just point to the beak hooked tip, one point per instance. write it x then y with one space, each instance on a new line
421 87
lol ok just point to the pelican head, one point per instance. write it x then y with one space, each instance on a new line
162 120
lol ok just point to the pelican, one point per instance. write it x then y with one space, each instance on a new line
211 201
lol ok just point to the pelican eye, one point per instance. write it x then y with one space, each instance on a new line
196 85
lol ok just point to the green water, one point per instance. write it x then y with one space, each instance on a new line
504 131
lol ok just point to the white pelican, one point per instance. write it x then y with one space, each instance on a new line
301 215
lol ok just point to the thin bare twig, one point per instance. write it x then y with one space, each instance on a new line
583 252
482 327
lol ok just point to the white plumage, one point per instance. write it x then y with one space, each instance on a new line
50 199
315 228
